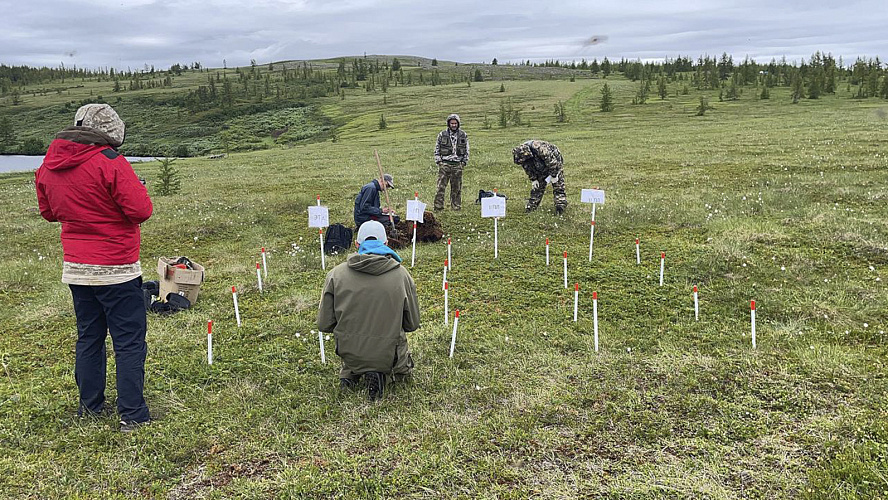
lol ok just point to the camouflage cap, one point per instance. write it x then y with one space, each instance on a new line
522 153
102 117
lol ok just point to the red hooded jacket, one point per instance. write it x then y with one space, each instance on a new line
94 192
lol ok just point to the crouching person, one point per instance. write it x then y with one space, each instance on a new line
369 302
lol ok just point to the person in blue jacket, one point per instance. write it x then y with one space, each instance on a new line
367 202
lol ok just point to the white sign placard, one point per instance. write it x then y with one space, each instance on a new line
592 196
318 217
493 207
415 210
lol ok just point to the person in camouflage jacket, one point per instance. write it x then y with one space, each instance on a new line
451 156
543 164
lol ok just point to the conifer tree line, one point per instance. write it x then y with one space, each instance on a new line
817 76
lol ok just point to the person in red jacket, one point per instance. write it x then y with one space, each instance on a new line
95 194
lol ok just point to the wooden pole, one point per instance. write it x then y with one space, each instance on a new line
384 189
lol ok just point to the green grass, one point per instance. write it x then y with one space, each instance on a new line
764 200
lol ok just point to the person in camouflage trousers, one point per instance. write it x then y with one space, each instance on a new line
543 164
451 156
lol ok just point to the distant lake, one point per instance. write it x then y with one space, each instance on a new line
24 163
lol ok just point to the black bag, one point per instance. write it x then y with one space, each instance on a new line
338 240
488 194
174 303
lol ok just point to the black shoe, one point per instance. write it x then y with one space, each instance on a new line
375 385
347 384
559 210
104 412
128 427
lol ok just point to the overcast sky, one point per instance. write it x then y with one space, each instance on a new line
132 33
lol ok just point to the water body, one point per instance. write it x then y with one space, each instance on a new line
25 163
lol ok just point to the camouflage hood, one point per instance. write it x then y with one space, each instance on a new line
453 116
103 118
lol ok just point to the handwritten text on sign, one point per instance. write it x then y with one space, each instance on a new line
493 207
592 196
415 210
318 217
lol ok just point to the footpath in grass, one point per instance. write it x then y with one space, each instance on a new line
756 200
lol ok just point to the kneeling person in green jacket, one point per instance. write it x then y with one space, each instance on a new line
369 302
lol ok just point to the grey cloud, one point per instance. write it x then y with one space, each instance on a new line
164 32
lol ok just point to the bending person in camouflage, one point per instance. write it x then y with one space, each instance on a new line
451 156
543 164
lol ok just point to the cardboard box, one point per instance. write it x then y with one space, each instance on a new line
182 281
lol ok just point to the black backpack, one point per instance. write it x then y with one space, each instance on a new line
338 240
488 194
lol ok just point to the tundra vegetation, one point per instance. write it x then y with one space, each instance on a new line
779 199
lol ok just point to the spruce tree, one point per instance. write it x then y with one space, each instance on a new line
815 83
661 87
168 177
382 123
797 87
607 99
560 112
605 67
733 91
703 107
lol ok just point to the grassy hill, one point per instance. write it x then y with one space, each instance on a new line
757 199
194 112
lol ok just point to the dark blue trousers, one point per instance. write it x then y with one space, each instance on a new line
120 310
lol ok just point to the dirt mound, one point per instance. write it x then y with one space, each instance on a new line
429 230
